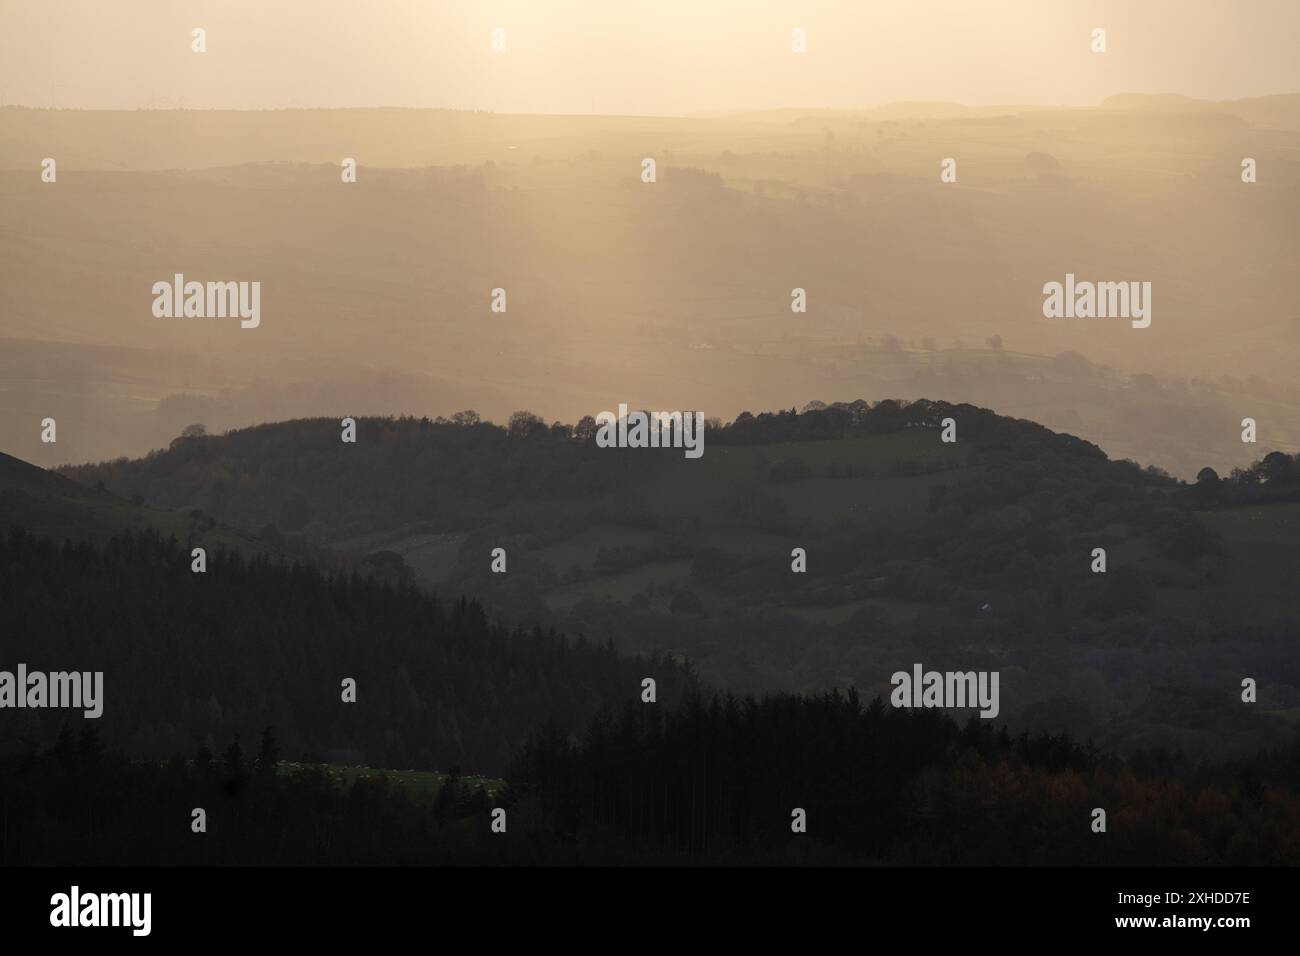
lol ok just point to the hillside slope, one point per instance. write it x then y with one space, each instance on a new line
257 642
972 554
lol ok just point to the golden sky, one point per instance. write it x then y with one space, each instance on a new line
637 56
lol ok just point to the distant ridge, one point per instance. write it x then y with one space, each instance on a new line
49 505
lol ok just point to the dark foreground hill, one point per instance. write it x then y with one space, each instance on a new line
721 781
256 642
974 554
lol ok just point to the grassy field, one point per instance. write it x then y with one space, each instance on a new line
623 586
581 549
418 784
1261 546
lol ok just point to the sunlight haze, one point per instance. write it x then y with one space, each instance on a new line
672 57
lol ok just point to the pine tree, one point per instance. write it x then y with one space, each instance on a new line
89 746
234 759
65 749
268 754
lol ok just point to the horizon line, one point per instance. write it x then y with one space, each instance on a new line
699 114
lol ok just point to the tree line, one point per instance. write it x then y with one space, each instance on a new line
256 642
713 780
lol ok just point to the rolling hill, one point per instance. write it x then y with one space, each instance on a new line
972 554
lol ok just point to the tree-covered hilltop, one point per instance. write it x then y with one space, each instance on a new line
260 641
298 477
976 553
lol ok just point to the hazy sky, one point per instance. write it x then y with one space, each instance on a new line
637 56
